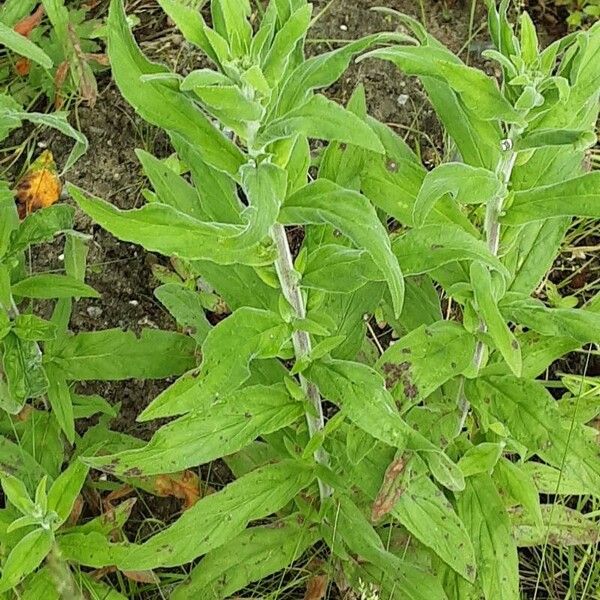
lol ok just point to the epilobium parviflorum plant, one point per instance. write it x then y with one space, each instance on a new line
416 468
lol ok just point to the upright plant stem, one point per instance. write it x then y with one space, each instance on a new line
493 210
288 278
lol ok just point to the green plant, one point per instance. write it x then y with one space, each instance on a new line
427 473
57 61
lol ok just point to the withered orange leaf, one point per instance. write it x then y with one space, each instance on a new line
185 486
316 588
28 24
142 576
22 66
40 187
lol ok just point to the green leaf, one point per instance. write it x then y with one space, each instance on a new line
9 219
171 188
186 307
65 489
529 41
113 355
22 366
424 510
485 518
51 285
357 534
158 103
562 527
253 555
21 45
556 481
481 458
487 306
59 397
16 493
466 184
225 427
424 359
533 419
161 228
284 43
225 366
578 197
581 325
432 246
349 383
578 139
476 90
32 328
231 20
25 557
322 119
41 226
220 516
324 202
515 483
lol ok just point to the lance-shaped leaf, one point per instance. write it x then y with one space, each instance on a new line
52 285
481 509
578 197
561 526
322 119
324 202
40 227
358 535
113 355
555 481
466 184
246 335
578 139
231 20
581 325
424 359
424 250
65 489
220 517
284 43
251 556
201 436
348 384
25 557
23 46
477 91
265 187
504 339
59 397
531 415
187 309
159 103
161 228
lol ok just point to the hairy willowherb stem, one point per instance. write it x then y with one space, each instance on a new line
492 235
288 278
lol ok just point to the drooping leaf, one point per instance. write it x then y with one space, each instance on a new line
163 229
466 184
225 366
322 119
350 212
201 436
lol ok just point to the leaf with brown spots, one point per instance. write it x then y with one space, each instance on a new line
40 187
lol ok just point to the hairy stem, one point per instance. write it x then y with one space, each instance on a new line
492 234
288 278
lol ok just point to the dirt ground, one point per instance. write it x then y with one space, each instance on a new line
121 272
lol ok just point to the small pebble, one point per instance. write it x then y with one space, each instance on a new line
61 257
402 99
344 27
133 302
42 144
94 311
